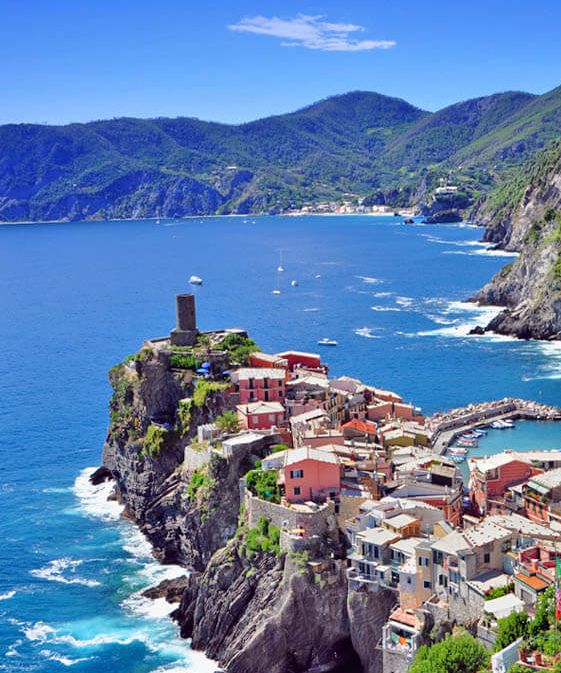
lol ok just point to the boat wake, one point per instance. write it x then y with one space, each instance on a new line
367 332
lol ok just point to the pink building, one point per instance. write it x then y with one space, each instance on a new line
491 477
309 474
260 384
260 415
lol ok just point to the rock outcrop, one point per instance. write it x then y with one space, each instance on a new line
530 287
255 610
269 614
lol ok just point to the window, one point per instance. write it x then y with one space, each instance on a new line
296 474
486 557
266 396
297 490
272 418
280 384
426 584
408 580
255 419
424 561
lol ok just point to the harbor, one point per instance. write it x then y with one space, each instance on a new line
447 428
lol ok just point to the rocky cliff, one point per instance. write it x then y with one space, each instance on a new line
526 217
269 613
155 411
249 603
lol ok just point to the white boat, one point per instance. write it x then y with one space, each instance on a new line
280 267
502 425
277 288
294 283
457 450
327 342
195 280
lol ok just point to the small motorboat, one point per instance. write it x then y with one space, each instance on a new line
467 442
457 450
458 459
502 425
294 283
276 292
195 280
327 342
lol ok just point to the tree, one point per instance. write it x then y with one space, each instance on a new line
510 628
454 654
228 422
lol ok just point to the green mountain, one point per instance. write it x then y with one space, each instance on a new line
360 143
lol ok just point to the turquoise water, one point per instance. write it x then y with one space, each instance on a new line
76 298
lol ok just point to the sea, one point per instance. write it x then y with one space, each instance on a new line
76 298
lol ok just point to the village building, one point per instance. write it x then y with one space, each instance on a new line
309 474
259 384
260 415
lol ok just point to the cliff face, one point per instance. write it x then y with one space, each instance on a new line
264 611
530 287
146 460
269 614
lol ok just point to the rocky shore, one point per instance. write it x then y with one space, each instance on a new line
530 287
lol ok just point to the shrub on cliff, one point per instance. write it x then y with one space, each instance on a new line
265 537
204 388
263 484
187 361
454 654
154 439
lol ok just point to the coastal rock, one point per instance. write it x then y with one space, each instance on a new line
530 287
368 612
100 475
478 330
269 615
152 484
172 590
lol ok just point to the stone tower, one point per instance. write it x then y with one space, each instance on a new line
185 333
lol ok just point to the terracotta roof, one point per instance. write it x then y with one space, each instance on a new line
533 581
362 426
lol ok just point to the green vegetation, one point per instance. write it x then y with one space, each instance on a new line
201 484
184 361
454 654
263 484
500 591
301 559
263 538
359 142
238 348
154 439
204 388
228 422
184 416
510 628
277 448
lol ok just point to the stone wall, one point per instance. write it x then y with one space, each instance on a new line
320 522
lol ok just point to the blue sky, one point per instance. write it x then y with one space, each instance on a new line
233 61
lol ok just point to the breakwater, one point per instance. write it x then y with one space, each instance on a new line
446 427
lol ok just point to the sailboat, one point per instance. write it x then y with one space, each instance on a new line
280 266
277 289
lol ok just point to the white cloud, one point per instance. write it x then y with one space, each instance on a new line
310 32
